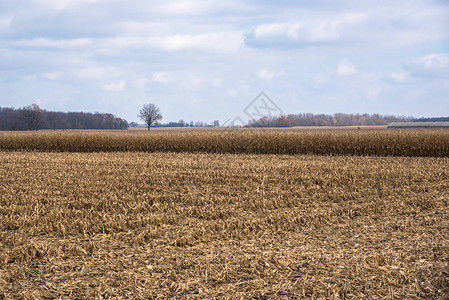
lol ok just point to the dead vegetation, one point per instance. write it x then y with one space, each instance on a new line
156 225
368 142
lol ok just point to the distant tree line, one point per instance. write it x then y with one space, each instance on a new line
340 119
439 119
33 118
182 123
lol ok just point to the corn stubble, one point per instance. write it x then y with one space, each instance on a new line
155 225
430 143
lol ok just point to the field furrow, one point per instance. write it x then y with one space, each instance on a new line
146 225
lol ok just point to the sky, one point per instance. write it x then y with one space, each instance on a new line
209 60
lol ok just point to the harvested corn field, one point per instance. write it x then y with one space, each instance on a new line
134 225
372 142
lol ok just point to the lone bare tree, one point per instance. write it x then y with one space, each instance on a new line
32 115
149 114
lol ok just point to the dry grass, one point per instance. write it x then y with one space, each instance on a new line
156 225
371 142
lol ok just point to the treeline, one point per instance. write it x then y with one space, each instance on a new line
340 119
182 123
33 118
438 119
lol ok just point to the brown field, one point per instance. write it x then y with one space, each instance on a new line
136 225
367 142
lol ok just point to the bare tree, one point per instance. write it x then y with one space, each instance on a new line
32 115
149 114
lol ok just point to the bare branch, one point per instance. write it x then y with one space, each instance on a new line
149 114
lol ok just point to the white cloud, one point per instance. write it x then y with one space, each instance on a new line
218 42
199 7
268 74
381 26
51 75
51 43
114 87
433 65
160 77
183 7
346 68
432 61
215 42
291 34
63 4
400 76
322 29
5 21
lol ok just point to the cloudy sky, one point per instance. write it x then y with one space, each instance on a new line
206 60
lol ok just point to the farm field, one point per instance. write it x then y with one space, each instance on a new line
367 142
139 225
